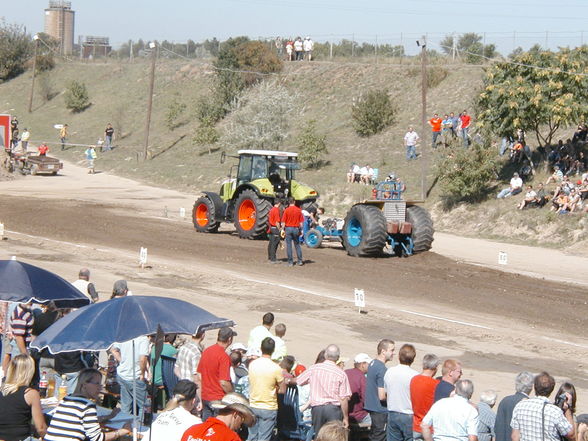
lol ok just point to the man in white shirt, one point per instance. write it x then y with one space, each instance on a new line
308 47
516 186
131 372
453 418
410 141
397 383
262 331
84 285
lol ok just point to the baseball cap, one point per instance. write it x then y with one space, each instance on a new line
238 347
224 334
238 402
253 352
362 358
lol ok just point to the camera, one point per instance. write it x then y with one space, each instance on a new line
560 400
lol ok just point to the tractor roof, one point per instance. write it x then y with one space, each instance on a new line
267 153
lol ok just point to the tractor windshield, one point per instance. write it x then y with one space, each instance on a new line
261 167
284 167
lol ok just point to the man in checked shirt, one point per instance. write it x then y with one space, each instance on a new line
329 390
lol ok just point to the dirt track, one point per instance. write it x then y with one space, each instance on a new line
498 323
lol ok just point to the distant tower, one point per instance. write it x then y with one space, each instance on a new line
59 23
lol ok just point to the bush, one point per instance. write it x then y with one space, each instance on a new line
46 88
210 109
206 135
467 174
312 146
372 112
76 97
262 118
45 62
175 109
16 48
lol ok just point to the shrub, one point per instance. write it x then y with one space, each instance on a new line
467 174
45 62
262 118
46 88
175 109
76 97
372 112
206 135
210 109
312 146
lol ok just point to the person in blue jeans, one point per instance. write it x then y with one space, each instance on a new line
293 221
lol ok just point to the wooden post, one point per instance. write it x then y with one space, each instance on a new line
424 156
36 38
153 47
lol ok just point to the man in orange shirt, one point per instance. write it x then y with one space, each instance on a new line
422 393
435 124
465 127
233 412
274 231
43 149
292 220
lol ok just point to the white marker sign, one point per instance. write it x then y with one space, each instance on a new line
143 256
1 231
502 258
182 212
359 298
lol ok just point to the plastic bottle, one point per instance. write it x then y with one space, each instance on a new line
43 384
62 388
51 386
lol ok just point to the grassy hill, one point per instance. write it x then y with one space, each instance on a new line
325 91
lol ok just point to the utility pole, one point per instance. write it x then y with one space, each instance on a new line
153 48
36 38
376 49
130 50
424 156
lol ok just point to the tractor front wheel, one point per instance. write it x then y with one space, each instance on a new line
251 215
203 216
422 228
364 232
313 238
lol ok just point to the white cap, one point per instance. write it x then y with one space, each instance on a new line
362 358
253 352
238 347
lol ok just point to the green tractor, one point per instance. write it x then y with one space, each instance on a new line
246 199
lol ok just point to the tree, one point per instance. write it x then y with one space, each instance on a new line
261 119
540 92
16 48
466 174
76 97
312 146
469 46
372 112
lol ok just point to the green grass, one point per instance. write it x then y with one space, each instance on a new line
118 92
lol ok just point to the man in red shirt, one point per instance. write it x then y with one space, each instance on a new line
422 392
214 370
357 382
233 412
43 149
274 231
292 220
465 127
435 124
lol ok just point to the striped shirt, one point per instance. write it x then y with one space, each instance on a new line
187 360
75 418
328 383
22 323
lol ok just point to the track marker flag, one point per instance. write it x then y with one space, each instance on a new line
143 257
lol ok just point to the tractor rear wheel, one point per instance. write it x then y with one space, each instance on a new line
313 238
364 232
251 215
422 228
203 216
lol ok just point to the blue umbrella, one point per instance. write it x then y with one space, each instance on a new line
96 327
23 282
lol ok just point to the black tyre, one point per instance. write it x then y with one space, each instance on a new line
313 238
364 232
422 228
203 216
251 215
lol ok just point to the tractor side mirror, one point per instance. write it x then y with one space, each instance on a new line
223 157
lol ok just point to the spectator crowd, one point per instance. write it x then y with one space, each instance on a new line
259 391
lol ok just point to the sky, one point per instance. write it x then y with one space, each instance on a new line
506 23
